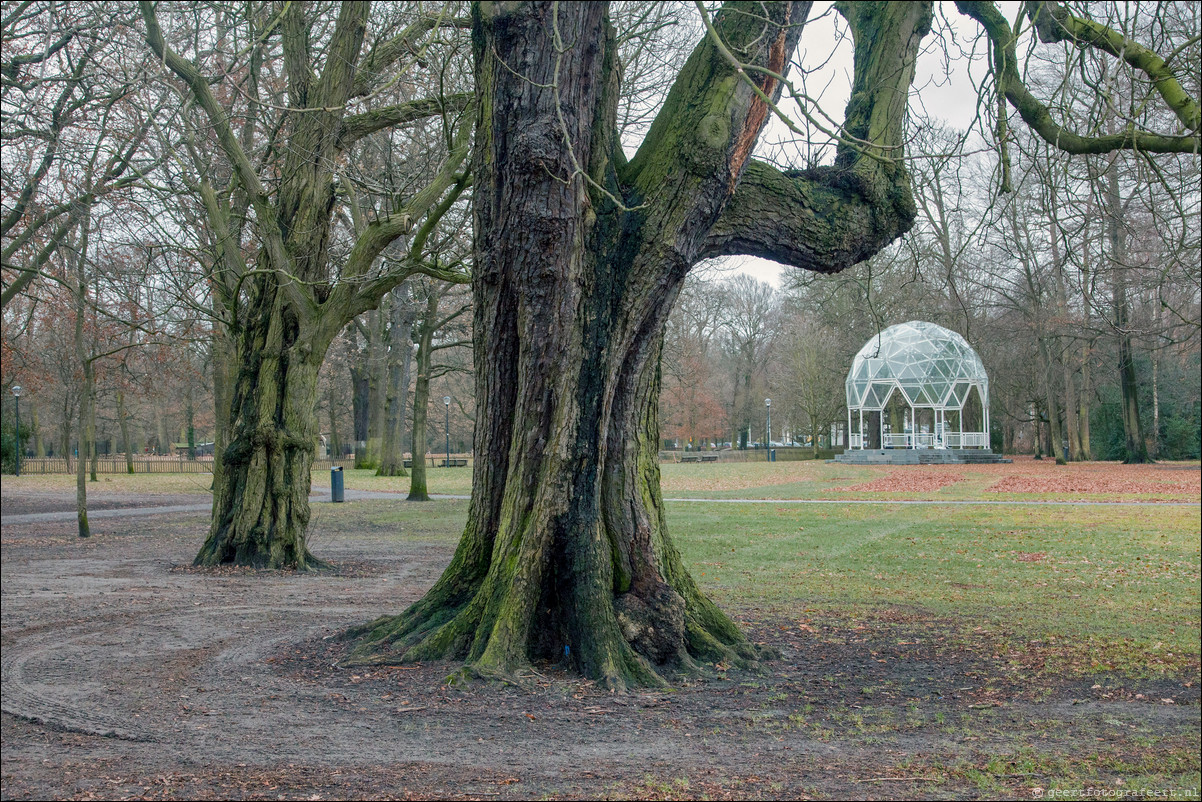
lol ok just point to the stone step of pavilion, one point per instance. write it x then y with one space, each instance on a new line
925 456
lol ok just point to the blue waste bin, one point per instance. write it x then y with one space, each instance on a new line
336 492
772 455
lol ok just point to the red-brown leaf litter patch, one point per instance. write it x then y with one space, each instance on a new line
1098 478
912 480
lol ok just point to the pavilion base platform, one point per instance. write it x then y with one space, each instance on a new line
919 456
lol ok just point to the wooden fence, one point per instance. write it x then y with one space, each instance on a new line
43 465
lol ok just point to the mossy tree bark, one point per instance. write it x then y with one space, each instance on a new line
579 256
287 310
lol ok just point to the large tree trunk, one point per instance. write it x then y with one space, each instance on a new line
565 555
261 499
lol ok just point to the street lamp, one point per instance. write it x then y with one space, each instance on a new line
17 398
446 399
768 406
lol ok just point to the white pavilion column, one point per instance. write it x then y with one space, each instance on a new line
985 415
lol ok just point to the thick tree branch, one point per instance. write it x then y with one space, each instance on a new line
357 126
356 293
830 218
404 43
815 220
711 118
1054 23
1036 114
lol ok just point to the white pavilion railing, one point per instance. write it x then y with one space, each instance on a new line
924 440
966 440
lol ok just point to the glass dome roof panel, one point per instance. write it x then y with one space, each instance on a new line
933 366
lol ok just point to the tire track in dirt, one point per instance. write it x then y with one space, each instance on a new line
56 674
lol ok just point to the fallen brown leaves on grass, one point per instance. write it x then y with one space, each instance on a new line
1099 478
910 480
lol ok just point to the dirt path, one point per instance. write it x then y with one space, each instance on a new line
126 675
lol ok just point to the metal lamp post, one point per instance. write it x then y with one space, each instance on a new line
17 399
768 442
446 399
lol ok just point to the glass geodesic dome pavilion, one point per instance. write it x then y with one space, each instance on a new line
917 385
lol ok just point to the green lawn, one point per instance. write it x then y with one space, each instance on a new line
1094 586
1089 586
1077 589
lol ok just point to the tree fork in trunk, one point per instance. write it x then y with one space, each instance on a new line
565 555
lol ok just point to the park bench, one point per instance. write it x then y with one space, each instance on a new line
698 458
456 462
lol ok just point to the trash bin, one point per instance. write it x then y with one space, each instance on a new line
336 492
772 455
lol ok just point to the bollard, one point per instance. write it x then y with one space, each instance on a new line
336 491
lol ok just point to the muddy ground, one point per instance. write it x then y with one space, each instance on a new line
127 674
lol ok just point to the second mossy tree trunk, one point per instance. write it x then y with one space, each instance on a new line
289 308
579 257
261 498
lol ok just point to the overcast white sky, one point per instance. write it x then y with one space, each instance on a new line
943 89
